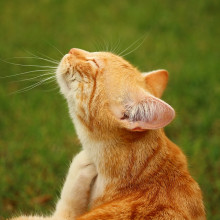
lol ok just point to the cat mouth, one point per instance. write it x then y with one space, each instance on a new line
62 73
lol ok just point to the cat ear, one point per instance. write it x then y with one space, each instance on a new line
157 80
148 113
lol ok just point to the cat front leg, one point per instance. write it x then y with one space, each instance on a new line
76 190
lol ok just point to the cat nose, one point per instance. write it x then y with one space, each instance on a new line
72 51
76 51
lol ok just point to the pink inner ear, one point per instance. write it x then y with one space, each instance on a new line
152 113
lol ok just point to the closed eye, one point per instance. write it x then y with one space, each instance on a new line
93 61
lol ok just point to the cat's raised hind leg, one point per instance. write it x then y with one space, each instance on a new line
75 193
76 190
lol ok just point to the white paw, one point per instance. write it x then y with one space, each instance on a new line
74 196
80 176
80 161
88 172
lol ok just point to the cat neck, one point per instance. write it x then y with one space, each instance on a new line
121 156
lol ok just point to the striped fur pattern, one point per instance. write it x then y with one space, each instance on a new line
119 118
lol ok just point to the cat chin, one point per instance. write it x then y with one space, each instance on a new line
64 88
63 69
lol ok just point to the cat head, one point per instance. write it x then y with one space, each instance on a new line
104 91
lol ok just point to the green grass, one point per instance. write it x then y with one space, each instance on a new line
37 138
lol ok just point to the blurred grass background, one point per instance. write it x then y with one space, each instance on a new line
37 138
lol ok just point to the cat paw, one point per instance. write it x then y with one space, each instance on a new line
82 162
82 159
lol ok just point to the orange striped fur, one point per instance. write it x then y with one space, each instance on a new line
119 119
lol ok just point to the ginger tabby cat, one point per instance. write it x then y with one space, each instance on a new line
119 118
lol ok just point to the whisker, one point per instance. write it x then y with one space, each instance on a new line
54 85
98 46
121 53
56 48
18 74
129 47
116 46
32 86
35 77
133 49
50 81
105 45
34 57
110 45
49 90
41 55
18 64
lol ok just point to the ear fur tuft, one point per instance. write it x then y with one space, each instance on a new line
150 113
